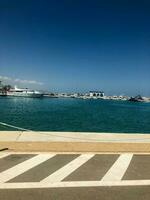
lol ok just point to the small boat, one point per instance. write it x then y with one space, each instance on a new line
136 99
25 92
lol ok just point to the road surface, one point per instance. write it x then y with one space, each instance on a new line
74 176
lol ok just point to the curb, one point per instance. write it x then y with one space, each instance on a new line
76 147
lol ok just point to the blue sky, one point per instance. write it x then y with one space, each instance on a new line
76 45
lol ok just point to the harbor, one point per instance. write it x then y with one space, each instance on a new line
74 100
75 115
14 91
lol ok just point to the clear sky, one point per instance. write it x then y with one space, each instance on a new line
76 45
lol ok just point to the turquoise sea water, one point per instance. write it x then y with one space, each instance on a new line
75 115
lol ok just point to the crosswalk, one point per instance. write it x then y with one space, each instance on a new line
23 167
4 155
67 169
109 170
118 169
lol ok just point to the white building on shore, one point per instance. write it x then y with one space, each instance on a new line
96 94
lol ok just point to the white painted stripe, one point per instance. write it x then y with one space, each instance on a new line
23 167
4 155
118 169
63 172
16 127
75 184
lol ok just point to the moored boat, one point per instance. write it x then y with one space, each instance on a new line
24 92
138 98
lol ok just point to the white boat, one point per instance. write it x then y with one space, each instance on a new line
25 92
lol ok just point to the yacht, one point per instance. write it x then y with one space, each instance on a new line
25 92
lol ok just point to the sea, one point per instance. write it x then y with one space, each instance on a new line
77 115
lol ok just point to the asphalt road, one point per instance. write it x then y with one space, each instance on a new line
49 176
92 193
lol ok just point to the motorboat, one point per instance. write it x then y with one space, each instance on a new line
24 92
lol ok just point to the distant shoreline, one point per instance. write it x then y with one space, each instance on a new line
145 99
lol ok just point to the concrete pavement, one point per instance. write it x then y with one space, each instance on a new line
71 166
74 142
38 136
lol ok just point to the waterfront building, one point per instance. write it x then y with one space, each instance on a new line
75 95
96 94
1 86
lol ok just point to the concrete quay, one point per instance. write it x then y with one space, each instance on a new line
70 166
74 142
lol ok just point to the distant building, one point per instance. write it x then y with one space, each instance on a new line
96 94
75 95
1 86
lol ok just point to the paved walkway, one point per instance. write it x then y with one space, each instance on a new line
31 136
74 142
